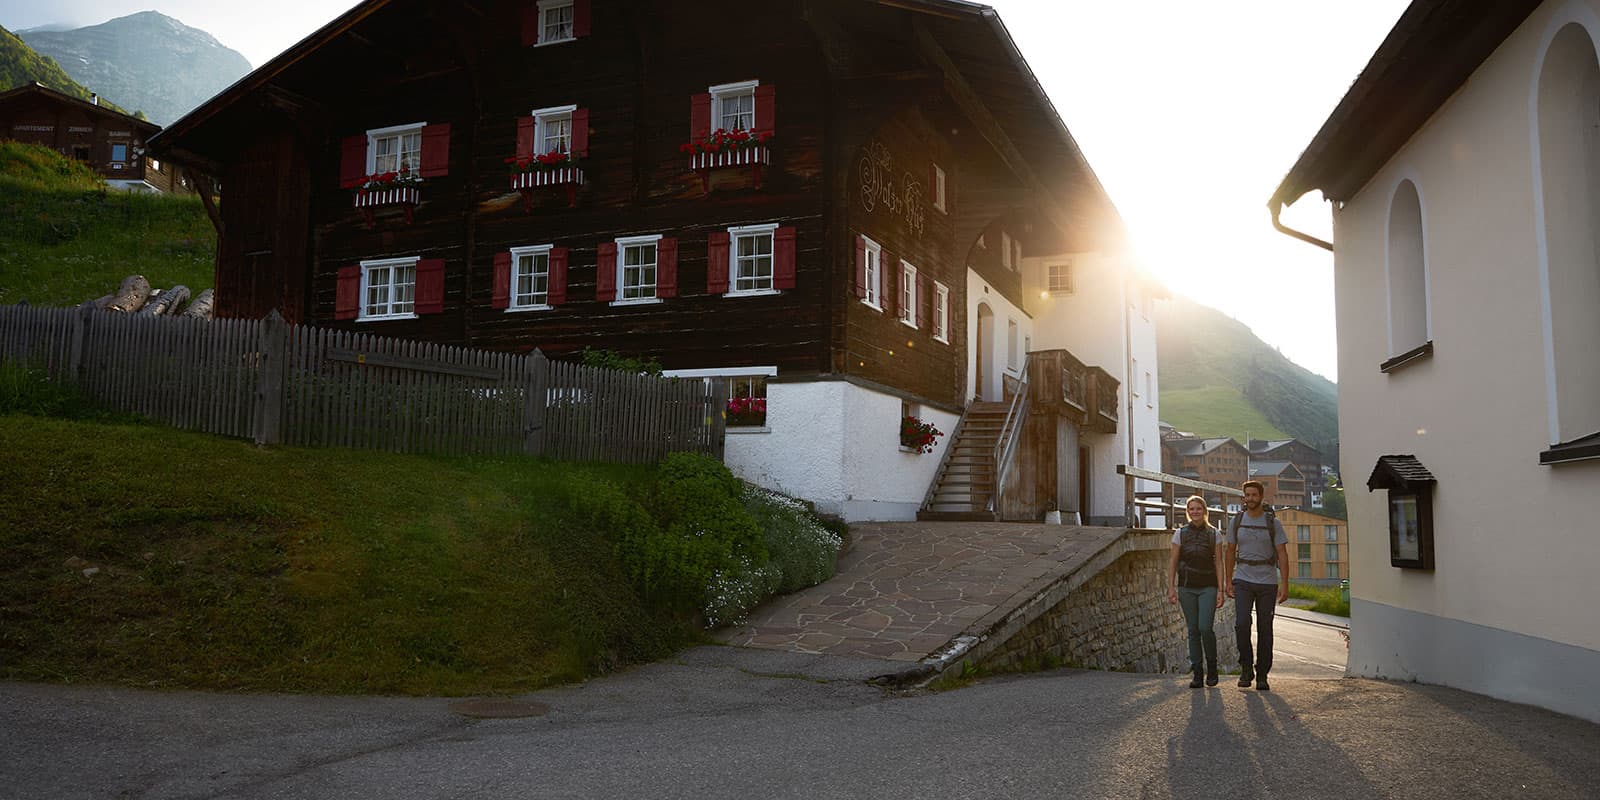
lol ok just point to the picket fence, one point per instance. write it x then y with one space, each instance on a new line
275 383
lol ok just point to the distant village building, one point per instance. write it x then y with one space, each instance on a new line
1220 460
857 214
111 142
1284 486
1319 547
1306 459
1464 176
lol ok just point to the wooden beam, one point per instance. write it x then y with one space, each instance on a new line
202 186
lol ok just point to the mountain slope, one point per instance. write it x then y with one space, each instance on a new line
146 60
1219 379
20 65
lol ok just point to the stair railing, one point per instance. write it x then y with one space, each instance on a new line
944 463
1005 448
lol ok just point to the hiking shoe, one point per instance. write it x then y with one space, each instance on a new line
1211 676
1261 684
1246 676
1197 681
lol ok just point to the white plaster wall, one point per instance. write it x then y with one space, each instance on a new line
838 445
979 291
1514 543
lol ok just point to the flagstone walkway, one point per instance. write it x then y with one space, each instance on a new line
906 589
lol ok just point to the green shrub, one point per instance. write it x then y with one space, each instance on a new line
1329 599
801 548
611 359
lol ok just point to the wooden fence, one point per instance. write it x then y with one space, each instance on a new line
278 383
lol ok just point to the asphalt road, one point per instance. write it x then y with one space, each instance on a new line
730 723
1302 649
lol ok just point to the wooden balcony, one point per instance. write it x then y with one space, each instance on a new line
1102 393
1060 382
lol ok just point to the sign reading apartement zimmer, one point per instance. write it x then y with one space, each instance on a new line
900 195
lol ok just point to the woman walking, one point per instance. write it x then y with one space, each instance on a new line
1193 575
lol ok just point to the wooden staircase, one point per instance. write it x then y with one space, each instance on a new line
965 483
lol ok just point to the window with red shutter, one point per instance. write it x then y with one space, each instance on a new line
783 258
861 267
766 109
667 267
525 133
501 295
605 279
558 276
347 292
548 22
430 286
699 117
717 263
531 277
580 133
436 150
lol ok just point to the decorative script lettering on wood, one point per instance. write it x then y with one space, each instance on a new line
902 196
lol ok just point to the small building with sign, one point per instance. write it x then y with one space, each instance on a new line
109 141
867 218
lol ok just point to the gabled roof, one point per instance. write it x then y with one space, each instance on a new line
36 88
1430 53
1282 469
1264 446
1399 472
1201 447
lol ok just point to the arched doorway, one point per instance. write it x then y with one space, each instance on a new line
984 348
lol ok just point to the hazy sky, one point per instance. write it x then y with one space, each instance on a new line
1189 112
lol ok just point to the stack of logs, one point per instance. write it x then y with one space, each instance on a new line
135 296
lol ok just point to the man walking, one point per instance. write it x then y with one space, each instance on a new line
1256 552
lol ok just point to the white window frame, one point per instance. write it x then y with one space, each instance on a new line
623 244
386 263
1005 250
375 134
874 256
542 117
770 230
908 294
941 312
530 251
723 91
939 201
152 164
1069 280
548 6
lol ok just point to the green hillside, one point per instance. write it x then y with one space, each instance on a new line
65 239
1219 379
20 65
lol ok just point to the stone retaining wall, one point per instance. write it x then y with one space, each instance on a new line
1118 620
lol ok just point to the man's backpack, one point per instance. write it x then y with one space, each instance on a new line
1272 531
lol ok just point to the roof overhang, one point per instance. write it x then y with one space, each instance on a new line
146 126
1402 473
1430 53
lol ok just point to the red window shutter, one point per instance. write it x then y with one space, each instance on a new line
558 276
580 133
717 263
352 161
605 278
925 301
783 252
530 24
502 280
430 286
580 18
347 293
766 108
861 266
525 127
889 268
699 117
435 150
667 268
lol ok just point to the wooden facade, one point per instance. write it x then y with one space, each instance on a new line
863 100
1307 459
111 142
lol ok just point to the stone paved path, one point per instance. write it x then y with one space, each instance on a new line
907 588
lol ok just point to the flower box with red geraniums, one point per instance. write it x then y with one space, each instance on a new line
747 412
554 168
725 148
382 189
917 435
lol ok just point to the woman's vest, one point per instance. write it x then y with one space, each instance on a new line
1196 553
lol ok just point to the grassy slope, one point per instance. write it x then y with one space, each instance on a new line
227 566
64 239
1218 379
20 65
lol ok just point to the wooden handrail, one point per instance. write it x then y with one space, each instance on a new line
1136 510
1005 448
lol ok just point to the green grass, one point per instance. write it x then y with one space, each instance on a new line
1329 599
65 238
1216 411
221 565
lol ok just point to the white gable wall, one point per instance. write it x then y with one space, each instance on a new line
1507 610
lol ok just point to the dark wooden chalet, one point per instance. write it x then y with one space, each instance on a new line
888 140
111 142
